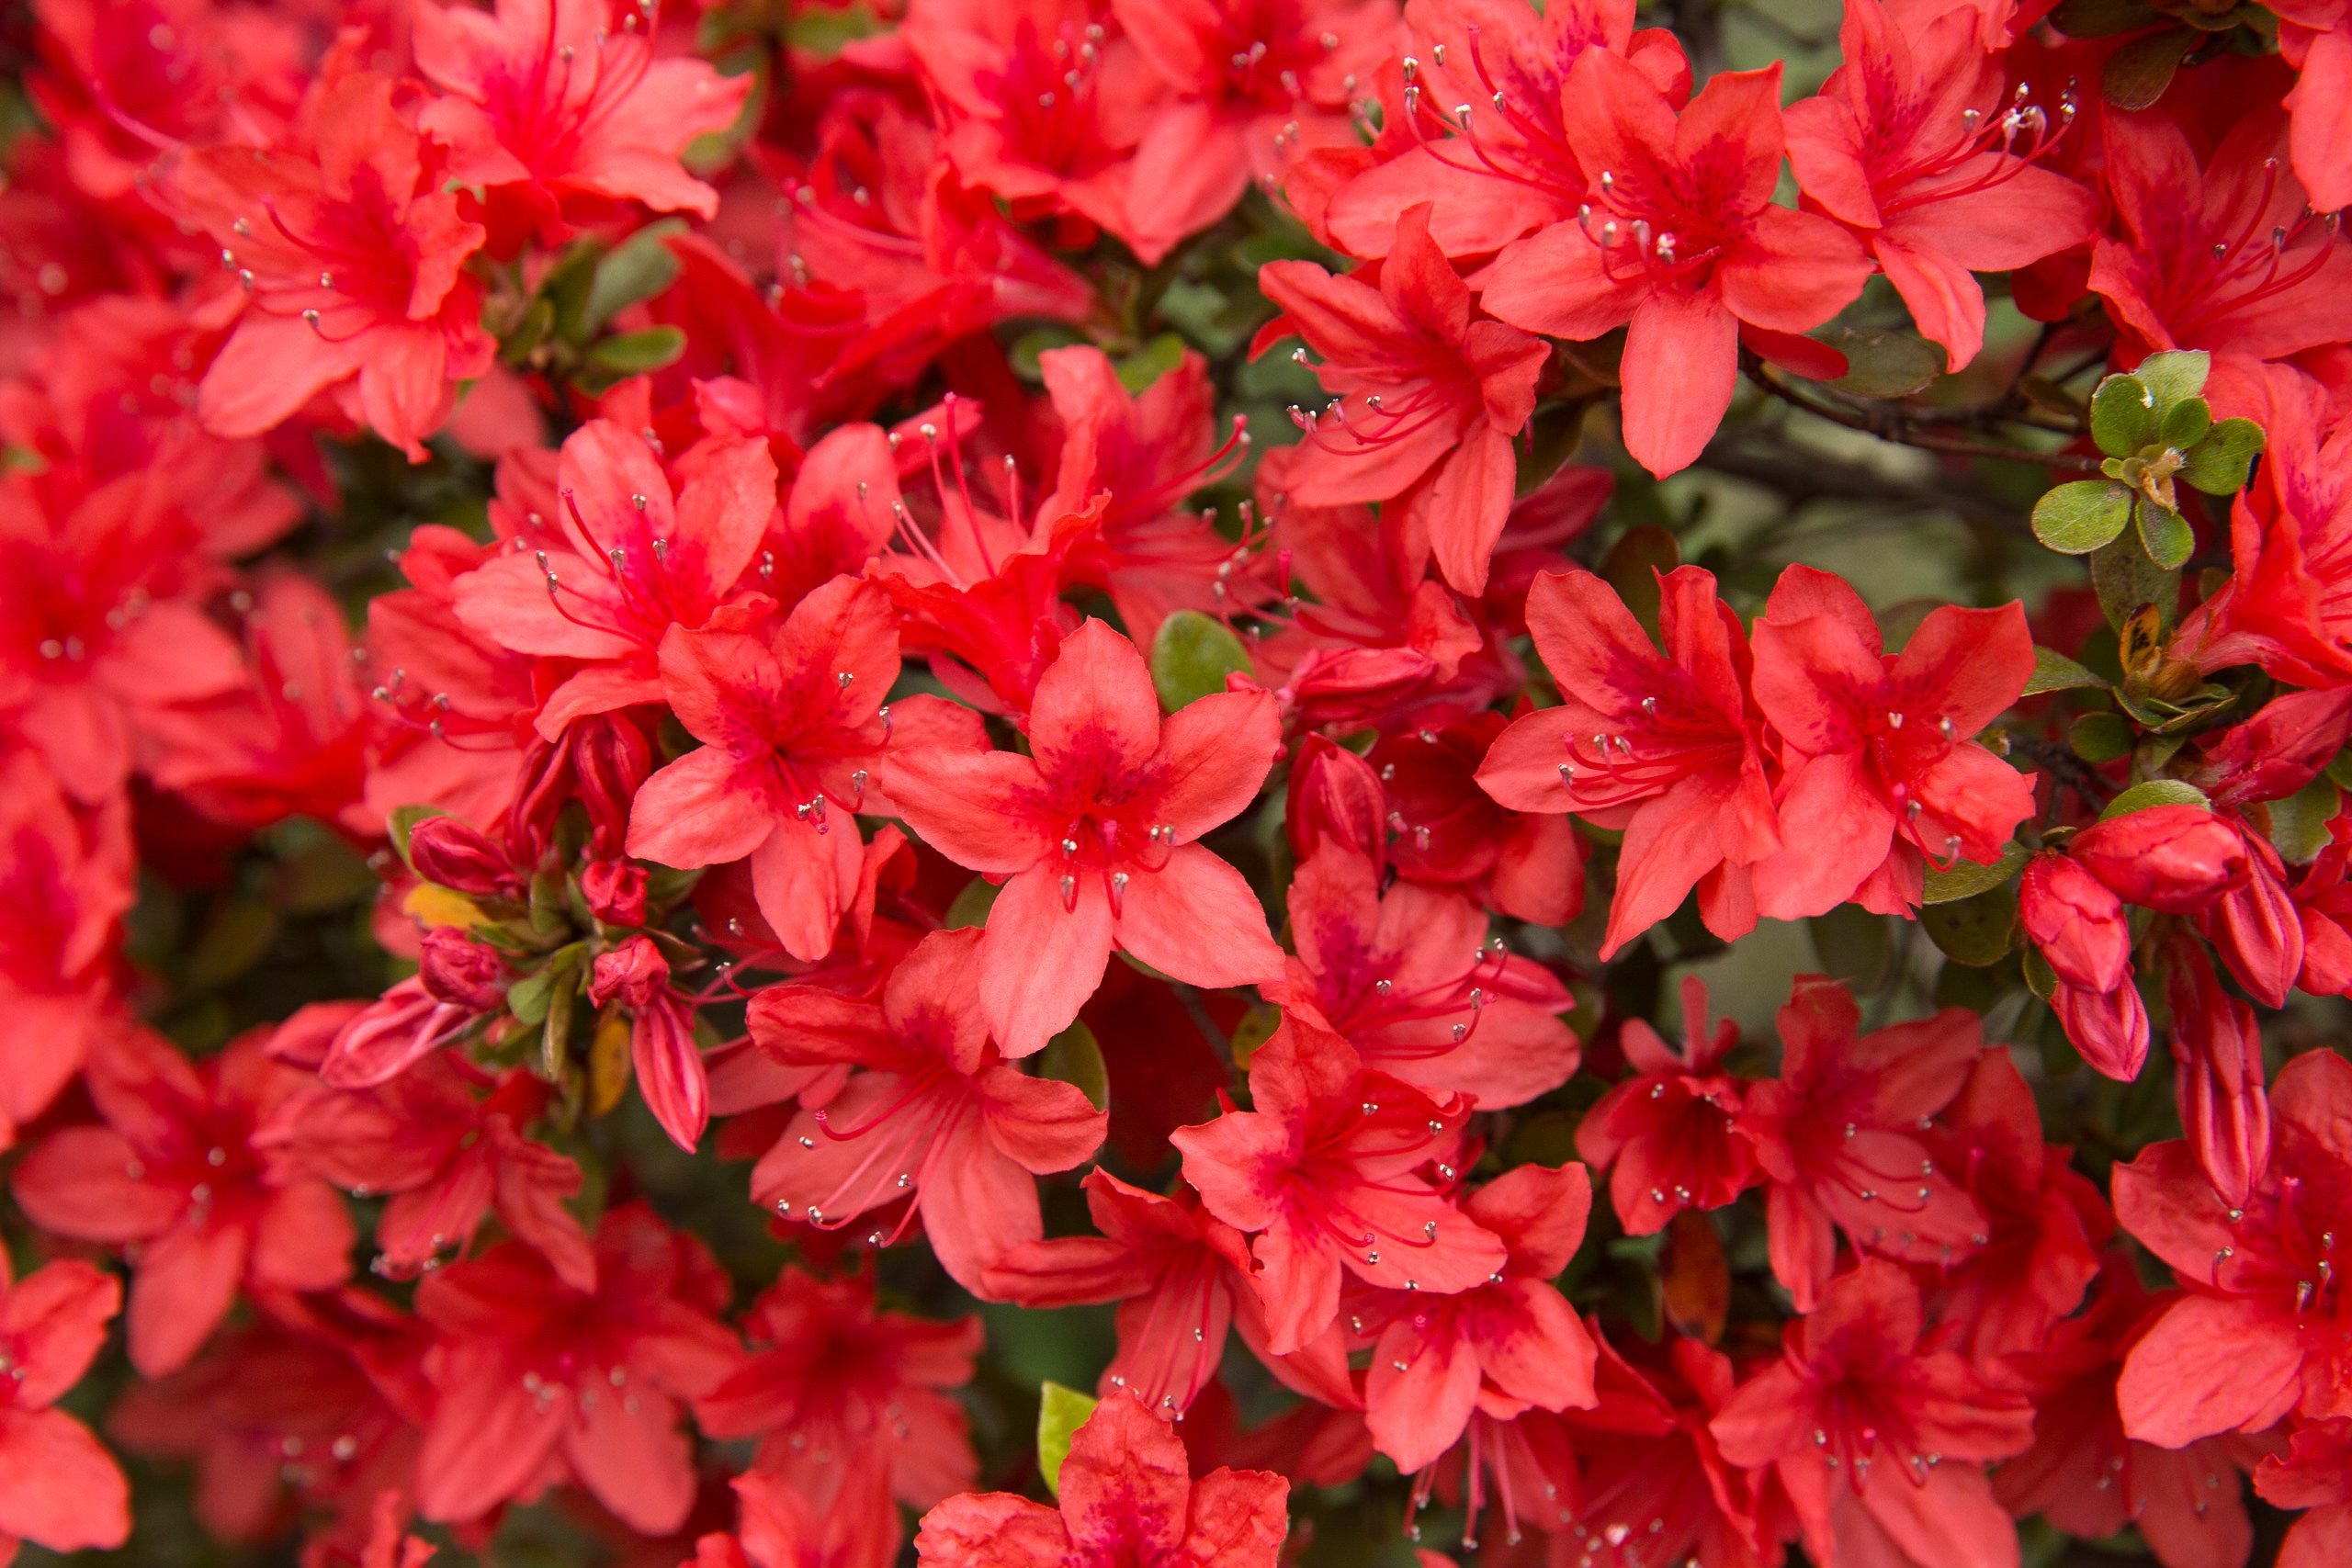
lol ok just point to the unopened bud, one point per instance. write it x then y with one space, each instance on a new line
460 971
2076 922
2177 859
610 759
614 891
450 854
634 973
1335 794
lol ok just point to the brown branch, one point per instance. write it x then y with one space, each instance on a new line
1892 422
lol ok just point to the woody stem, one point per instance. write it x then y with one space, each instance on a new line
1890 422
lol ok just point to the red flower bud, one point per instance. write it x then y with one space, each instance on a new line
387 1037
2217 1074
2109 1028
609 760
449 855
2177 859
1335 794
634 973
614 891
462 972
2076 923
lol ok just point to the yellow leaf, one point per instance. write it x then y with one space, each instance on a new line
608 1061
439 907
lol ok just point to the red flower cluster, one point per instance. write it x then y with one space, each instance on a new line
606 1030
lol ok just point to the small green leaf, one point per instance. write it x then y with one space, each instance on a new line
1977 932
1881 363
2101 738
1191 656
1967 879
972 906
1061 1412
1075 1056
2077 518
1138 370
2126 578
635 354
632 272
2136 75
2299 823
2174 375
2124 415
402 820
2053 671
1853 945
2185 422
2165 535
2101 18
2217 464
2154 792
2041 979
1257 1027
529 997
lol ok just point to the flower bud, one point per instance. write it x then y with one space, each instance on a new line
2076 923
614 891
462 972
634 973
609 760
1335 794
2109 1028
449 855
2177 859
391 1035
2217 1074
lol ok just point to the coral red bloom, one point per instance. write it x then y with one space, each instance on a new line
842 1392
663 1055
1327 1174
1879 1440
1666 746
1884 773
533 1375
58 1487
1172 1268
1426 396
544 103
939 1121
1911 146
1410 978
1127 1497
1498 1349
1528 865
1094 835
2076 923
794 723
2264 1325
623 560
357 255
1680 245
1837 1136
175 1170
1669 1136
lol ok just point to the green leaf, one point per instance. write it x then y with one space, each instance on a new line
1075 1056
1967 879
1138 370
2077 518
1257 1027
2101 738
2136 75
631 272
972 906
2053 671
635 354
2126 578
2299 823
1061 1412
2185 422
2154 792
2165 535
1853 945
1881 363
2041 979
1977 932
2217 464
2124 415
2101 18
1191 656
529 997
2174 375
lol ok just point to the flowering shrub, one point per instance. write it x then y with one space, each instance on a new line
1074 783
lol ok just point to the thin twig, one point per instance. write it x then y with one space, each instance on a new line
1891 423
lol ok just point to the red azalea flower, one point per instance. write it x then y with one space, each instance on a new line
1879 1440
1094 832
841 1393
1498 1348
175 1170
1326 1174
533 1377
356 252
58 1487
1452 833
1127 1496
795 720
1665 746
939 1121
1670 1135
1680 245
1884 774
544 95
1911 145
1837 1136
2262 1327
1437 394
